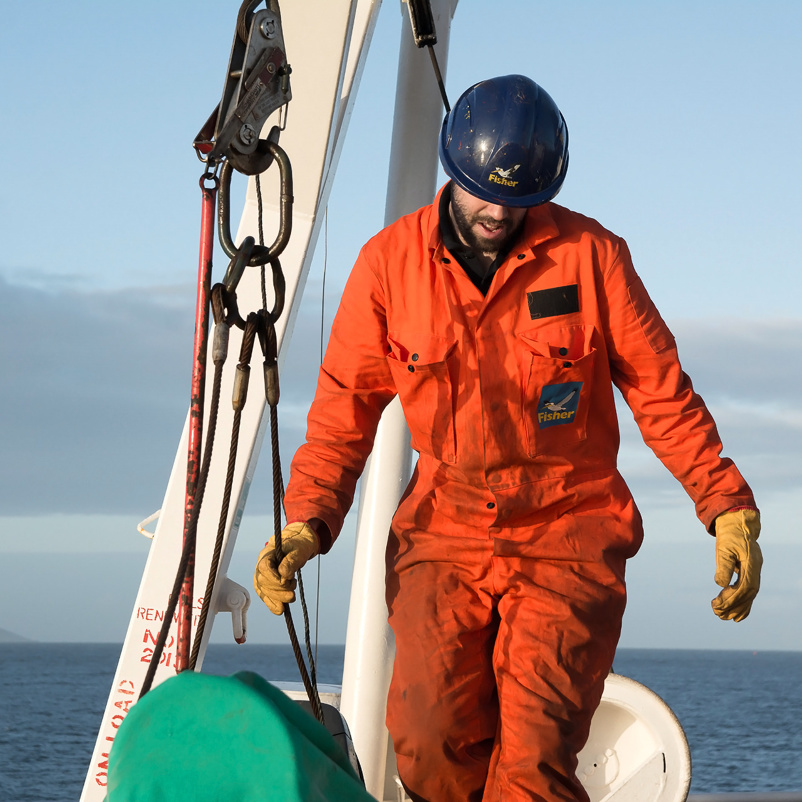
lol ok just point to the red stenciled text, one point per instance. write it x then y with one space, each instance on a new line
157 614
123 699
167 657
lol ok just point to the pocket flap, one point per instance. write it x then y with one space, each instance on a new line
423 350
559 342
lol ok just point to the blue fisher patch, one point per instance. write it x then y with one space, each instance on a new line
558 404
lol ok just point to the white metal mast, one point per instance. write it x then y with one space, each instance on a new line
370 646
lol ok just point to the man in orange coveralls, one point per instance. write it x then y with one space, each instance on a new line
503 321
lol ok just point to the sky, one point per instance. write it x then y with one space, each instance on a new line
683 120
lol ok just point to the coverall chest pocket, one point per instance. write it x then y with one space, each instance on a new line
422 376
557 370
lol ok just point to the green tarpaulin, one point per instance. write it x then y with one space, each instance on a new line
198 738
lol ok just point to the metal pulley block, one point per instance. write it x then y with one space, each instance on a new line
257 84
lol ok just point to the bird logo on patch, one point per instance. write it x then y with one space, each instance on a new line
559 406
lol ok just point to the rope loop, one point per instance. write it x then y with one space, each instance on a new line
249 338
224 307
269 343
243 373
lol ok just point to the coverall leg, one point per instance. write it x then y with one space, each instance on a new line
500 665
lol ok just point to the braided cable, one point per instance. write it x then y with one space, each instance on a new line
189 541
269 346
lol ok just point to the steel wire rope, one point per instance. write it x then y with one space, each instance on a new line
252 327
220 353
192 530
240 396
308 676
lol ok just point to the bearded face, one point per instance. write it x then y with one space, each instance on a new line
484 227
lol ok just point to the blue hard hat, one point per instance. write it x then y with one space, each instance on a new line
506 142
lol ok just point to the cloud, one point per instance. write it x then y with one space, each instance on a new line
93 386
743 372
748 363
96 387
94 394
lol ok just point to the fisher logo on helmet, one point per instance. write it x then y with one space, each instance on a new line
558 404
500 176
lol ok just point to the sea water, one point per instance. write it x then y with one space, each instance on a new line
741 711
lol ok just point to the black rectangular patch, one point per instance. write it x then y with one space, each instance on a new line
555 301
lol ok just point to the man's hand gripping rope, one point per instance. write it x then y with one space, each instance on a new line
275 584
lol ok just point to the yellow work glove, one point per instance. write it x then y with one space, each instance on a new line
737 552
276 584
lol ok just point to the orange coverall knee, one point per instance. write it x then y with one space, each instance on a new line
500 665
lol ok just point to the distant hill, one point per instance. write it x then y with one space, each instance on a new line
11 637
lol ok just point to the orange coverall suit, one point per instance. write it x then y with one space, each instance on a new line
505 560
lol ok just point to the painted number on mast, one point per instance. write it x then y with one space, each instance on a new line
166 658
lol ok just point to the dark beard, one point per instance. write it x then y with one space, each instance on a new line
464 226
